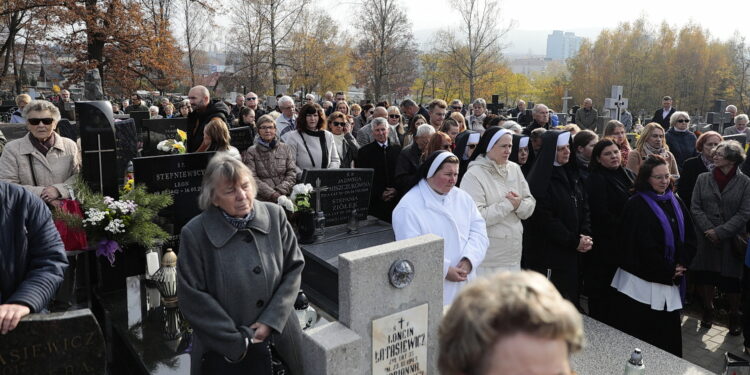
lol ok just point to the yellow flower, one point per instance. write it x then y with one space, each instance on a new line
182 135
129 185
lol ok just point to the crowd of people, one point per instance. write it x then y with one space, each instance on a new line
625 227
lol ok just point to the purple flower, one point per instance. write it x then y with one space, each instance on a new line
108 248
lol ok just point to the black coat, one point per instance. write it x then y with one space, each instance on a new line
407 166
608 190
350 150
384 163
663 121
688 176
197 120
533 125
642 244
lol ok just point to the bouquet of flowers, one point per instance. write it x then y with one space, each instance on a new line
301 197
174 146
110 223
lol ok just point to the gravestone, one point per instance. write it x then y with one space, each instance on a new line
717 118
158 130
179 174
58 343
241 138
388 317
127 146
68 129
92 85
138 117
615 104
98 146
565 99
14 131
346 189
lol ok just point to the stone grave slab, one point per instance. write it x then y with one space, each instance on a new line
58 343
344 190
68 129
98 146
13 131
241 138
158 130
179 174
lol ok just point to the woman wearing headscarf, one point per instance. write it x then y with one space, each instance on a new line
651 142
503 198
435 206
466 144
721 209
694 166
608 189
313 145
521 153
656 245
559 228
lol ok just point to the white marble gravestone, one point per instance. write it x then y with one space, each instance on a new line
382 328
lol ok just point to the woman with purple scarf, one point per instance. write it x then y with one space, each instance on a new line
656 247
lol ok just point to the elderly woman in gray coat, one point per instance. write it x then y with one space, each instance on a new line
239 270
721 209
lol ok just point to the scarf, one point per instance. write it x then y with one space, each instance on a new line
582 161
241 222
723 179
654 151
42 147
321 134
269 145
669 251
707 162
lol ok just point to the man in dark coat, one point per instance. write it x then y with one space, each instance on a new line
662 115
541 119
32 255
381 156
406 175
203 112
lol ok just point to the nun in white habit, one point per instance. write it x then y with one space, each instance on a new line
436 206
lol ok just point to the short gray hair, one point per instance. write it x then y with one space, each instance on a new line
480 102
731 108
741 117
538 108
222 167
677 115
457 101
425 129
378 121
41 106
513 126
285 99
731 150
408 103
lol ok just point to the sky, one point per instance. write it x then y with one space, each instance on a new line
537 18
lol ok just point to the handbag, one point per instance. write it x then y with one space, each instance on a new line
260 359
72 238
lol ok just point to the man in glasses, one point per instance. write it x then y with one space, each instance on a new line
456 106
663 114
136 104
288 119
381 155
364 135
587 116
252 101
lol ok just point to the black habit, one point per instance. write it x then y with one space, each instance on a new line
383 161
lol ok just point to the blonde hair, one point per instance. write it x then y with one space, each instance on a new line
460 120
650 127
23 98
491 309
218 131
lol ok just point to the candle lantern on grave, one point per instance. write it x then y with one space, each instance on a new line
166 279
320 218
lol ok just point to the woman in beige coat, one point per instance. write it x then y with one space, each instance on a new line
43 162
503 198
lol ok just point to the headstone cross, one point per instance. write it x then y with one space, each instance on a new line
99 152
616 103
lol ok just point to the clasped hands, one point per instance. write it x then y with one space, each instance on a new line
585 243
460 272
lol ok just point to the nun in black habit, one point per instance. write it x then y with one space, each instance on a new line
559 229
466 144
522 154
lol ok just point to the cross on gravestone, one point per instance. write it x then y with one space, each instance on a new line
616 103
565 99
58 343
98 146
343 190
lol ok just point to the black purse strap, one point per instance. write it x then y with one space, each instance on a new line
31 165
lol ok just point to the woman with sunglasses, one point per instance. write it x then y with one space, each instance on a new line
346 145
680 140
438 141
503 198
43 162
396 121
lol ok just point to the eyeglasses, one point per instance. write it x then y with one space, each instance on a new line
472 146
456 108
394 116
267 128
336 123
36 121
665 177
250 98
682 120
370 112
446 147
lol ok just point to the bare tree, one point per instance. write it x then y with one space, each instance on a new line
196 22
476 44
248 50
386 57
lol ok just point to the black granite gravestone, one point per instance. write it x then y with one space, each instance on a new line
158 130
58 343
98 146
241 138
127 146
68 129
346 189
14 131
181 175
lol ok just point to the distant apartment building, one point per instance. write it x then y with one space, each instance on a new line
562 45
